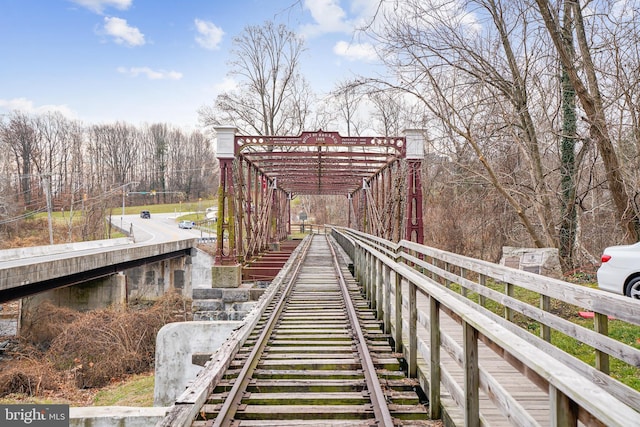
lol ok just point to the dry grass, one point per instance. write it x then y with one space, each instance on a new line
46 323
86 350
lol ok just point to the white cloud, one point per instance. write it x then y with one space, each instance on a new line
329 18
151 74
366 7
18 104
210 35
26 106
226 85
355 51
98 6
122 32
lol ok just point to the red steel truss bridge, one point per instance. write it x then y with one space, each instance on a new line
380 178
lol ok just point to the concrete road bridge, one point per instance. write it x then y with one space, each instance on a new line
31 271
454 323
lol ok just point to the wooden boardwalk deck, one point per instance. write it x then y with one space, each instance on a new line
487 369
527 393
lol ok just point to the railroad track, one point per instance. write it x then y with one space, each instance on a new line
317 357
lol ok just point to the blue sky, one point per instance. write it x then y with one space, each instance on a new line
157 60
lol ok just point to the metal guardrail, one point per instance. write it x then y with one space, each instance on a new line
397 276
207 239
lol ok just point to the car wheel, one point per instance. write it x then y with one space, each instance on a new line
633 288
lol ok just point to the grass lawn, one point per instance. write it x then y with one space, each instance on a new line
620 331
136 391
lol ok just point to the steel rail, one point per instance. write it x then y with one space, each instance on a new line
232 402
378 399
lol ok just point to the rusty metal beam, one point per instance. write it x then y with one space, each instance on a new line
273 169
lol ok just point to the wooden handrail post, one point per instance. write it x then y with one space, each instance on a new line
357 267
482 300
447 268
367 276
434 277
601 325
387 299
434 367
413 332
471 376
463 274
545 331
379 290
509 290
398 313
564 412
375 282
372 281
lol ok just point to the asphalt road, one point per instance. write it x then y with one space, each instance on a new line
159 228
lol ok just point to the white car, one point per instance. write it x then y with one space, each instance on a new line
620 270
186 224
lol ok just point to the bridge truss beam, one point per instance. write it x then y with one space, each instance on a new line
260 175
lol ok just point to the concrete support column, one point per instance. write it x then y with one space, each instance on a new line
176 346
180 271
145 283
149 282
226 276
97 294
226 226
414 224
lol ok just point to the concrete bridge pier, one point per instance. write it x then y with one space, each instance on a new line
148 282
226 276
93 295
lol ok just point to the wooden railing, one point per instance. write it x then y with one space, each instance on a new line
307 228
412 287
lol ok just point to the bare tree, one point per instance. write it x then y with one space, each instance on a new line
347 100
54 153
392 113
591 99
160 135
117 146
19 136
203 167
618 62
75 180
568 211
272 98
477 84
324 115
85 168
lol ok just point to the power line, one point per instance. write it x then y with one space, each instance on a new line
23 216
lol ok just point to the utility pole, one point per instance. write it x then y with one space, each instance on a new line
47 191
124 193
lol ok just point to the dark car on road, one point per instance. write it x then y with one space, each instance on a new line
145 214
